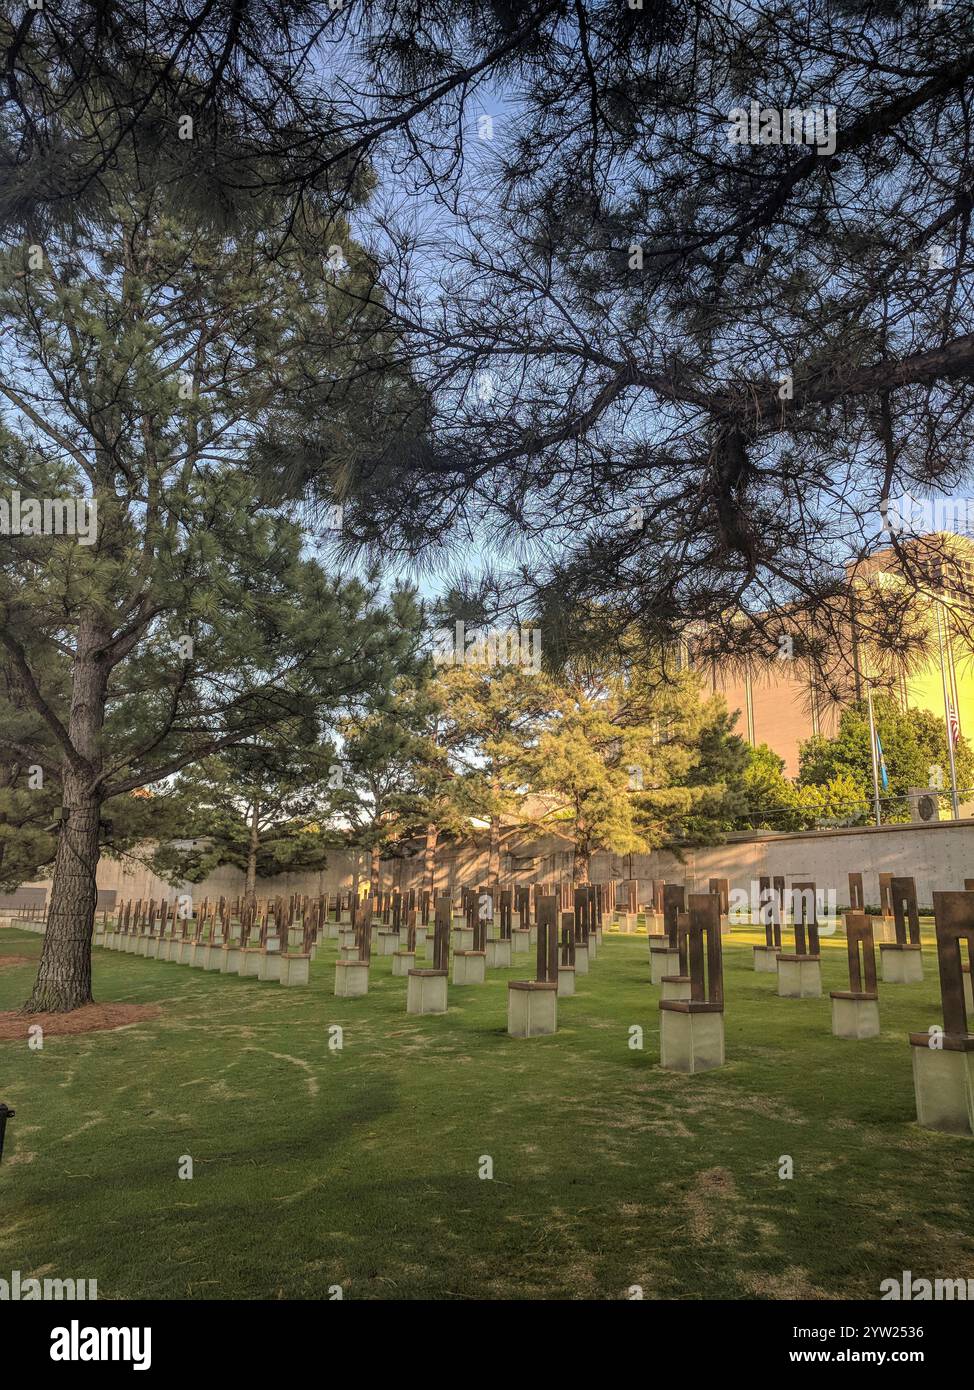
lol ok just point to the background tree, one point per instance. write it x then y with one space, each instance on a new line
768 798
258 806
376 802
616 761
722 756
914 750
493 714
400 781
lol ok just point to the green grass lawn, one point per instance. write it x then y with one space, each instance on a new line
360 1168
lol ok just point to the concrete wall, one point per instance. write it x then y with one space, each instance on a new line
939 855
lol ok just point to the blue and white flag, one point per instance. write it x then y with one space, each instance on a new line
883 774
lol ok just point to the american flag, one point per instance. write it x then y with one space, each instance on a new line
952 723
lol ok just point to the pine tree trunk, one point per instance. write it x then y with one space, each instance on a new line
253 844
429 860
494 852
63 979
581 865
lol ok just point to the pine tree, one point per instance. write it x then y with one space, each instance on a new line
258 806
616 760
492 714
148 361
399 783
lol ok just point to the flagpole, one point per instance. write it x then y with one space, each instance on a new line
954 806
952 676
872 749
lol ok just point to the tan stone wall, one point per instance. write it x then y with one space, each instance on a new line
940 855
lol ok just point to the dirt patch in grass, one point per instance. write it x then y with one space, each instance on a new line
713 1189
793 1283
8 962
90 1018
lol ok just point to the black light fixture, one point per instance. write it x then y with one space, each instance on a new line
5 1114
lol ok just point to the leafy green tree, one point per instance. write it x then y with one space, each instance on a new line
722 758
769 797
914 750
376 802
440 802
400 779
837 801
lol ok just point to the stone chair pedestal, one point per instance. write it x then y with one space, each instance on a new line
766 960
691 1035
532 1008
250 962
469 967
499 953
902 965
295 969
212 956
943 1082
230 963
351 978
403 962
426 992
799 977
855 1015
269 966
664 959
